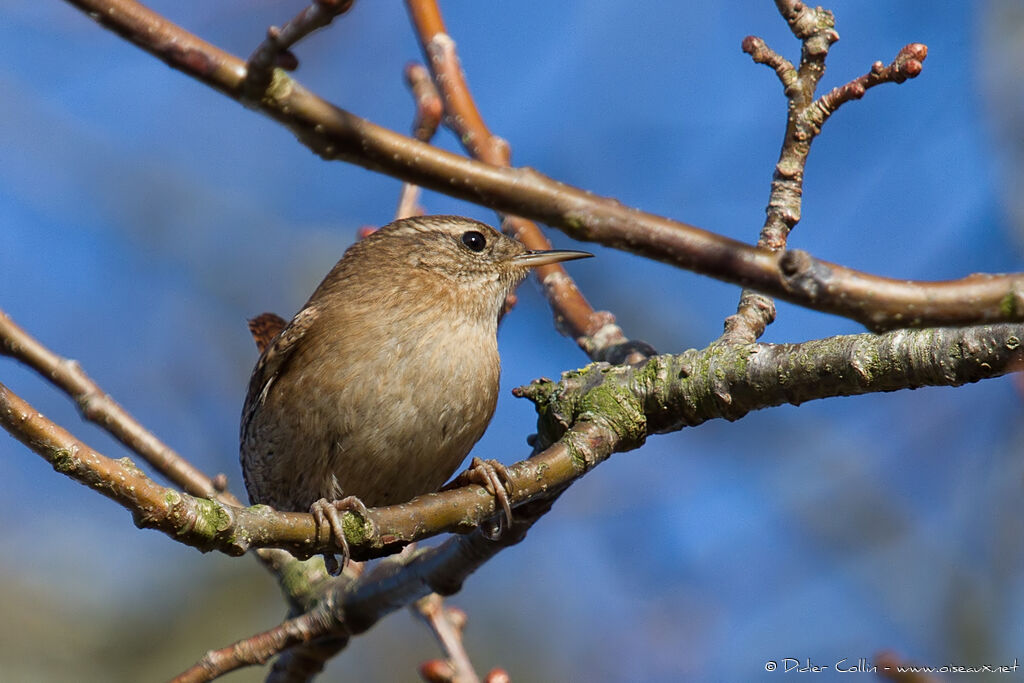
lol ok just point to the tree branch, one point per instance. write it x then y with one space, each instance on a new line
99 408
429 110
815 27
730 380
877 302
594 331
274 50
354 608
446 624
583 419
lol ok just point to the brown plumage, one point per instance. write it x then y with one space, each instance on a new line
381 384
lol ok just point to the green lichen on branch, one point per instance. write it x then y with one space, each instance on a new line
669 392
202 523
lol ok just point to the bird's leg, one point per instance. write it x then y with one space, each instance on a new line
494 477
329 512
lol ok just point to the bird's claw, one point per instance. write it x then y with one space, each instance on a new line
329 512
494 477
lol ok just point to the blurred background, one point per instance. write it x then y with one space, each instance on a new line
144 218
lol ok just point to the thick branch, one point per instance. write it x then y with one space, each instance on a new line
585 417
879 303
730 380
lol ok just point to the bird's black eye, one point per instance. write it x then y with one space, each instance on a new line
474 240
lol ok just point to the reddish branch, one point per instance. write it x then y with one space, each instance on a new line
594 331
446 623
880 303
906 65
429 110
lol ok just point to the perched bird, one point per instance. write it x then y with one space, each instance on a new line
385 379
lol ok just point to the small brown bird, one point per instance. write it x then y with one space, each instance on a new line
386 378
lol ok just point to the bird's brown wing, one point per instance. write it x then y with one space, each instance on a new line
276 354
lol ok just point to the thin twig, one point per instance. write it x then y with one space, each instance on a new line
446 623
815 27
429 110
907 64
594 331
274 50
99 408
258 649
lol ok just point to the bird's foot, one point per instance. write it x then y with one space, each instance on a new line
494 477
329 512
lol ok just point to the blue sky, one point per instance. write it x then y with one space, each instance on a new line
144 217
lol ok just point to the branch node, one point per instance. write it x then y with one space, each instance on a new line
274 51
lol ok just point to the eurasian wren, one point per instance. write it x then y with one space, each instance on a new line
386 378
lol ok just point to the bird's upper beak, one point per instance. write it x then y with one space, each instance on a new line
531 259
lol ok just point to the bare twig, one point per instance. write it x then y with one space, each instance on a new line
258 649
815 27
907 64
594 331
446 623
877 302
429 110
99 408
274 50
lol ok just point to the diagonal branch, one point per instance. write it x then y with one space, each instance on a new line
99 408
446 623
429 110
877 302
594 331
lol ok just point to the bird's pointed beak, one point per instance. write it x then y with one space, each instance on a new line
532 259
